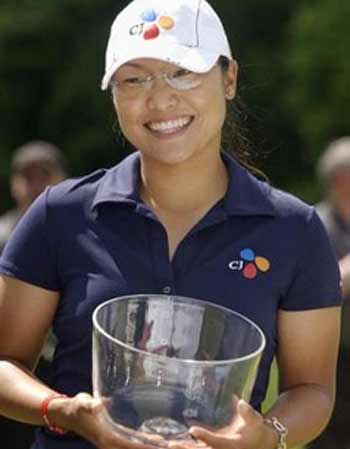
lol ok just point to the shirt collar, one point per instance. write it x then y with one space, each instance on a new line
246 195
120 183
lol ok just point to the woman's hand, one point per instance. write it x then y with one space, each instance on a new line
82 414
246 431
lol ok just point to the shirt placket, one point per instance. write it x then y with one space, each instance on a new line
163 270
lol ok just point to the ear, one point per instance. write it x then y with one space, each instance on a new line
230 80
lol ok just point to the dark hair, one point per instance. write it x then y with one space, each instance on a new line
235 140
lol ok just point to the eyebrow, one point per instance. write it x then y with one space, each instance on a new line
137 65
133 64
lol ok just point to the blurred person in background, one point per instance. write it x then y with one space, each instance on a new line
334 173
334 211
34 166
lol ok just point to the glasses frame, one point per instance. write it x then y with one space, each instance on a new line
146 83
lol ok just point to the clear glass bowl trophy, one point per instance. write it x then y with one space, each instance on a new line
164 363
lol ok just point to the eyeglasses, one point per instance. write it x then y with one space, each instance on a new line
180 79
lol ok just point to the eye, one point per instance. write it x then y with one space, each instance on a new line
133 81
182 73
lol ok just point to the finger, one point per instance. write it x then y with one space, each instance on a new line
88 403
210 438
247 412
85 402
235 400
124 443
177 445
97 405
194 444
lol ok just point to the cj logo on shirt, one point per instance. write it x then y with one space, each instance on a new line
250 264
151 25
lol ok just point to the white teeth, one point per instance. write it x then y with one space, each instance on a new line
170 125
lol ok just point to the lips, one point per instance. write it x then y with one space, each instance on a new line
169 126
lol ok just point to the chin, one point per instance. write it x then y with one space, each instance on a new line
171 159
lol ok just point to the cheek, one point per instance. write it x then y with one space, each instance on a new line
215 110
126 115
216 100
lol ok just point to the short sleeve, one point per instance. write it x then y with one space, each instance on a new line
316 283
29 254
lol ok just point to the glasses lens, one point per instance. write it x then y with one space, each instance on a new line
132 85
184 79
181 79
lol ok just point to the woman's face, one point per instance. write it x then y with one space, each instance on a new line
170 125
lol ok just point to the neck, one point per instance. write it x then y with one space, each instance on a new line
184 187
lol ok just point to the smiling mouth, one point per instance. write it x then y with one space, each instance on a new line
170 126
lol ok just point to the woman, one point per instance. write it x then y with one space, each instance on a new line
175 217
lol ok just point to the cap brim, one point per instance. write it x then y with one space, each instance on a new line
189 58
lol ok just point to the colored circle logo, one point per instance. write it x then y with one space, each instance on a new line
153 29
149 15
254 263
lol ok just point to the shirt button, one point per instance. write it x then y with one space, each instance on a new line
167 290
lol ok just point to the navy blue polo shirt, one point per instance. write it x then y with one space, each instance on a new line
256 251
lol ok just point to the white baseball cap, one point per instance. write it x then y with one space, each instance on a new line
187 33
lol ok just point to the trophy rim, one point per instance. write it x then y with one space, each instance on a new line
182 299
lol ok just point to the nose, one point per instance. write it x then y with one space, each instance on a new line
161 96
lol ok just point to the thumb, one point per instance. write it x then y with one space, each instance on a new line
85 402
246 412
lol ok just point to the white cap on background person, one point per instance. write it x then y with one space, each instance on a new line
35 165
38 153
335 158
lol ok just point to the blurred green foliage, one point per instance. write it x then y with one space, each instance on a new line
294 80
318 66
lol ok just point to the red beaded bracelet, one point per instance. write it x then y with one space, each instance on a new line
44 407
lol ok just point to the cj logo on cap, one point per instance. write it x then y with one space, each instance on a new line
151 25
250 264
